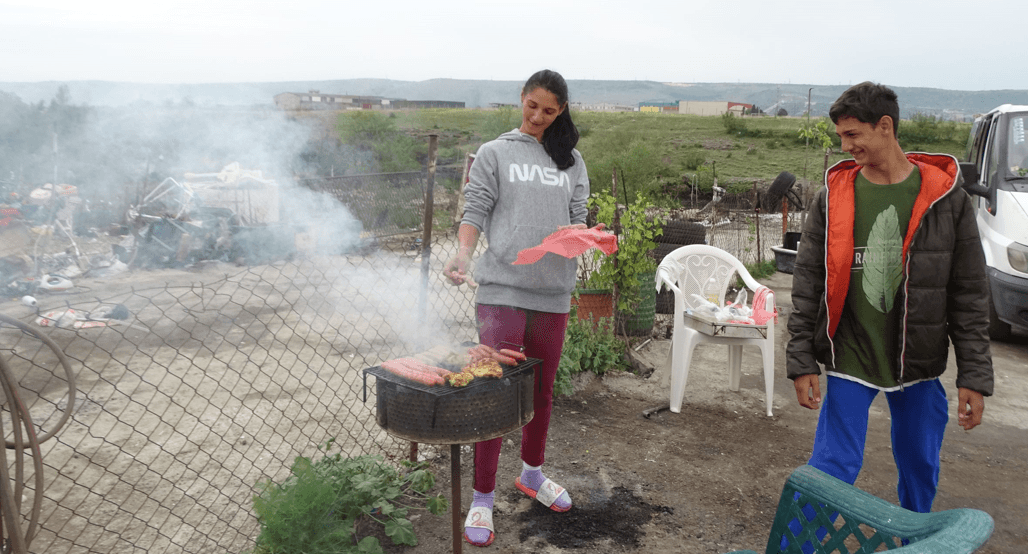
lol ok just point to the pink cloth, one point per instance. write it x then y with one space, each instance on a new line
760 315
569 243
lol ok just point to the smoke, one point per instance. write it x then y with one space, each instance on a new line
119 155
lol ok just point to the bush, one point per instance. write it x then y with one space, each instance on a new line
925 129
376 133
638 164
694 160
317 509
734 125
499 121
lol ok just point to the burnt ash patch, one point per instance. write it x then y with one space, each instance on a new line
617 518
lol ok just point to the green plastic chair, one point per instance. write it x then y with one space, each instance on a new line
849 520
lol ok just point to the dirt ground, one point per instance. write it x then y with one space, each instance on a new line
707 480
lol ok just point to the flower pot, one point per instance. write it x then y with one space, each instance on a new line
785 259
641 322
593 304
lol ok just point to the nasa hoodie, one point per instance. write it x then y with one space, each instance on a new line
516 197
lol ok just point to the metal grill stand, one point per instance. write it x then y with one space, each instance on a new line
483 410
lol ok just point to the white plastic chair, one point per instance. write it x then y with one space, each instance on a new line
687 271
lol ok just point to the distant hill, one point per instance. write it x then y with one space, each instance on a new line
950 104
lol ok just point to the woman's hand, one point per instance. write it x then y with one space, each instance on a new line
456 270
599 227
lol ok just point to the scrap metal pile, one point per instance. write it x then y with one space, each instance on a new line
233 215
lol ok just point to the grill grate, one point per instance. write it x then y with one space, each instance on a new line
486 408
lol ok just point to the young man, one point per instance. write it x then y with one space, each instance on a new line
889 271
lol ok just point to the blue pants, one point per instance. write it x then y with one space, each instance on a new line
919 416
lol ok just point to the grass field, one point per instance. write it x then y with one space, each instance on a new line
663 154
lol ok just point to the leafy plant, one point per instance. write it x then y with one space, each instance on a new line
587 347
637 235
817 133
317 509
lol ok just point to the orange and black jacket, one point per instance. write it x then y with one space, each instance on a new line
944 295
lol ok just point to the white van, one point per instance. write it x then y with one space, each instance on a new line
996 174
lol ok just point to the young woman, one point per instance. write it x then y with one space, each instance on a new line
523 186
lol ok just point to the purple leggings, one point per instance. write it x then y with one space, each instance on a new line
542 335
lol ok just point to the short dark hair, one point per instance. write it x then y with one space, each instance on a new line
867 102
561 137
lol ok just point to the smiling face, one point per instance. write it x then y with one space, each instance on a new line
539 107
868 144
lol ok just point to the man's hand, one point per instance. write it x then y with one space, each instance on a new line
970 406
808 391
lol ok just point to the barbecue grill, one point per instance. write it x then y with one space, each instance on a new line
484 409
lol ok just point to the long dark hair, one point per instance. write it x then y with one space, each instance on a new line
561 137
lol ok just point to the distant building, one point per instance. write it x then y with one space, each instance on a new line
315 100
425 104
658 107
601 107
693 107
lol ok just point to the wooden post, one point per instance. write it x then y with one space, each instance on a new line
426 237
616 229
785 218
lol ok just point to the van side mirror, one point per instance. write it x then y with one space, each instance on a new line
970 175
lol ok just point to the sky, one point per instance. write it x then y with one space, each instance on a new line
904 43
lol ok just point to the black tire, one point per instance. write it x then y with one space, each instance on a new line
681 233
665 298
795 199
779 187
665 302
662 250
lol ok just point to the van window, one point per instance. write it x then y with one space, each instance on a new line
977 140
1017 147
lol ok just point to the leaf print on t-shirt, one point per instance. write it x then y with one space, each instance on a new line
882 269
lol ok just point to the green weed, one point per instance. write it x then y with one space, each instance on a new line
588 347
317 509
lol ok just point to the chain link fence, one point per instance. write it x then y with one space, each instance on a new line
191 390
745 224
192 386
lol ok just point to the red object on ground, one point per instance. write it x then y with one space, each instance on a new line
569 243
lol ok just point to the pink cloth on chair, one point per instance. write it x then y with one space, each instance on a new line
569 243
760 315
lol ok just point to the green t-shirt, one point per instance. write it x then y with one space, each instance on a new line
867 339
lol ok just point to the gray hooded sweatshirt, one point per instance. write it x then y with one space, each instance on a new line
516 197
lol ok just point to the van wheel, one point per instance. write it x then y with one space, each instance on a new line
998 330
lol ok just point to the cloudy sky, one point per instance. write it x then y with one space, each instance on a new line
914 43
